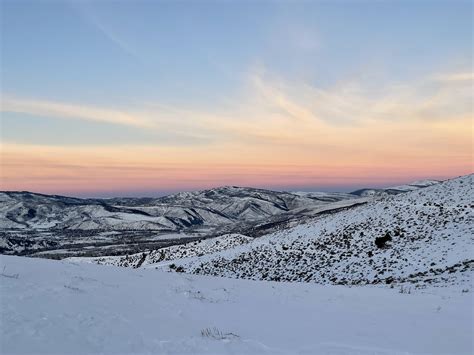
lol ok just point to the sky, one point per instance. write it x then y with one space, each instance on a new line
144 98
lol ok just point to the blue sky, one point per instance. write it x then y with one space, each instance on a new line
174 59
179 51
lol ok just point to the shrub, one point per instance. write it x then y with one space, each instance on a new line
380 242
217 334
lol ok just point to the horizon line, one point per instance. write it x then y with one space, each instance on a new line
103 197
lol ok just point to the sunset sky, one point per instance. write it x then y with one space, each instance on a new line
143 98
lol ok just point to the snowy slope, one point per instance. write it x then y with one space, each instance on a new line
431 232
54 307
187 250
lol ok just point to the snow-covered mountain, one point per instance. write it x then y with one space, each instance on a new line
395 190
424 235
223 205
417 237
24 210
58 226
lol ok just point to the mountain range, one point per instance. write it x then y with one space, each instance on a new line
419 237
59 226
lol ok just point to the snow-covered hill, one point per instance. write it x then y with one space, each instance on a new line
57 226
395 190
421 236
57 307
208 208
219 206
186 250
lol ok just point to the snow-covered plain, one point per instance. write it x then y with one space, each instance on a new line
59 307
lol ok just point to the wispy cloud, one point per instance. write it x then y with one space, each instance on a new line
448 97
289 132
271 109
93 18
455 77
72 111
